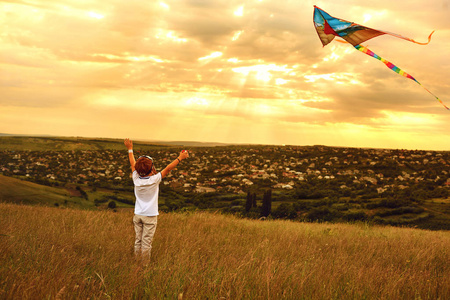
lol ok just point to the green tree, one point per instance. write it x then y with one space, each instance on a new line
248 202
267 203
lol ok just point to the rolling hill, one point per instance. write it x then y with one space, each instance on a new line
17 191
47 143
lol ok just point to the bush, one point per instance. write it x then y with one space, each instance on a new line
254 213
173 204
164 208
112 205
373 205
82 192
355 216
322 214
400 211
393 203
301 205
285 211
237 202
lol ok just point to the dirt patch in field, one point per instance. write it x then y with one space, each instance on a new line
73 192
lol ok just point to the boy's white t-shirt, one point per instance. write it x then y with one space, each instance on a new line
146 190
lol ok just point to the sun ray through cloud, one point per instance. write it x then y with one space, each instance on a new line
252 67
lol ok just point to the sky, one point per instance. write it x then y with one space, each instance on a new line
224 71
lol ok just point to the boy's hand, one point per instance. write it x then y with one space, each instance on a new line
183 154
128 143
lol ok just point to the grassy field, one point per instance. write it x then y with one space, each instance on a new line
13 190
55 253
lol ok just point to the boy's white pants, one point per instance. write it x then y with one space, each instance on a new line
145 228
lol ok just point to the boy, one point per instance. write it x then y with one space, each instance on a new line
146 189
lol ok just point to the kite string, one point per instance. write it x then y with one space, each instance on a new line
395 69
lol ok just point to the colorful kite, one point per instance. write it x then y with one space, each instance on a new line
328 27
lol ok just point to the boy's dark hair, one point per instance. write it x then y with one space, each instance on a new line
143 166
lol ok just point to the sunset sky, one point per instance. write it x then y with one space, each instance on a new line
224 71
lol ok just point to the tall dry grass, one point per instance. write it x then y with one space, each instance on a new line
64 254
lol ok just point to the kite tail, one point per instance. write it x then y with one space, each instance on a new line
411 40
429 39
395 69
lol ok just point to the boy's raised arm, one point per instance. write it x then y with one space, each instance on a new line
129 144
183 155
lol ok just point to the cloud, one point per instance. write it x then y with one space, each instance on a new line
146 57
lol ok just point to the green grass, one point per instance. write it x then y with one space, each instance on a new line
13 190
49 253
18 191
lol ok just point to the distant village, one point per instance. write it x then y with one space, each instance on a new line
236 169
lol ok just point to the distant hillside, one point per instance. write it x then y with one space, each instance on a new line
46 143
42 143
193 144
17 191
